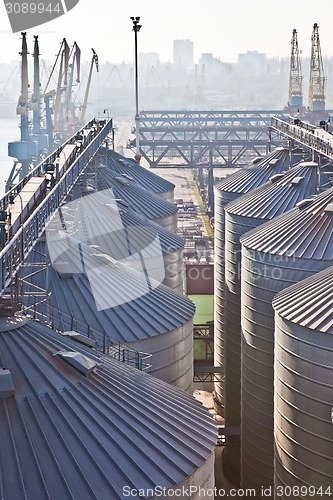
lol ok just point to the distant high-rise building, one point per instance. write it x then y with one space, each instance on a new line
253 62
183 53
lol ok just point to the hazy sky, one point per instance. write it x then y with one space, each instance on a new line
222 28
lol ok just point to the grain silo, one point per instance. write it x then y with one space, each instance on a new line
100 220
138 198
303 387
120 165
251 210
281 252
118 305
240 182
78 424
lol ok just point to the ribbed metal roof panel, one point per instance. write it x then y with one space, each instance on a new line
308 303
169 241
277 195
159 311
137 197
142 176
65 435
99 218
303 232
248 178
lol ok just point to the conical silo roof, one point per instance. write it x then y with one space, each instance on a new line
141 175
245 179
304 232
308 303
138 198
281 252
232 187
251 210
120 305
303 384
76 424
99 219
278 195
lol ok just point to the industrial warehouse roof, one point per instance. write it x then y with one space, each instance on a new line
155 311
309 303
248 178
142 176
279 194
65 434
119 231
305 232
137 197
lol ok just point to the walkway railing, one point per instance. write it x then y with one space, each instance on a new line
18 247
62 322
305 133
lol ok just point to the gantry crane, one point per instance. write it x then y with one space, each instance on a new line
39 134
23 150
317 77
70 118
94 61
295 103
58 111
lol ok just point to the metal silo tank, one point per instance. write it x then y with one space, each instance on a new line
157 321
127 236
142 176
99 425
303 386
138 199
230 188
247 212
281 252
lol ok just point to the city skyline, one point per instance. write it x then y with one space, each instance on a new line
225 30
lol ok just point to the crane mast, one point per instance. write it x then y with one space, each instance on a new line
317 77
76 61
94 60
295 78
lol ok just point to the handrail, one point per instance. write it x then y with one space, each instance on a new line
305 133
18 247
59 321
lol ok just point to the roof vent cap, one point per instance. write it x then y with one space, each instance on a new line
276 177
83 339
6 384
329 208
304 203
296 180
273 162
79 361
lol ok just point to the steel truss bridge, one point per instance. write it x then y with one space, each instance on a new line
205 138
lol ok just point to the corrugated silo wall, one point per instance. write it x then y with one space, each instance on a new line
221 199
174 270
302 411
235 227
263 275
172 355
167 195
169 222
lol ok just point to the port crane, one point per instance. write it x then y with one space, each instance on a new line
70 117
58 118
317 77
25 149
295 103
94 62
